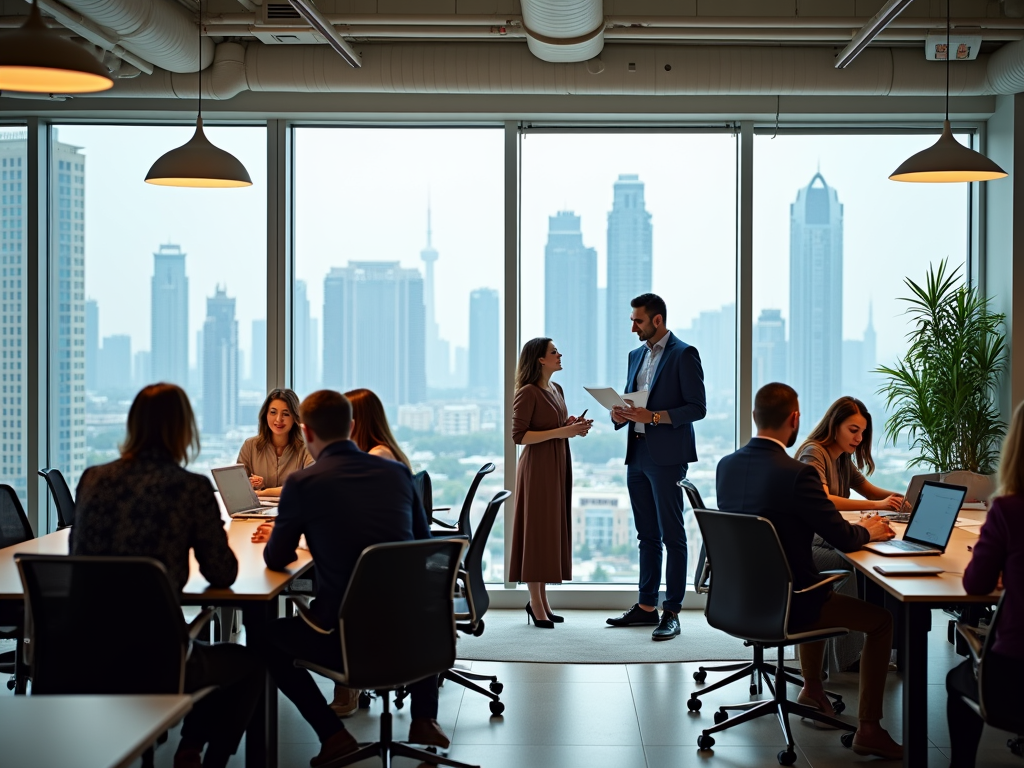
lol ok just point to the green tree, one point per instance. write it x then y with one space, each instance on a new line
600 574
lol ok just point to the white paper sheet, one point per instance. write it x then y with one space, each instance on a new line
609 398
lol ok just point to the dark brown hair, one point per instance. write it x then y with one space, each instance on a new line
265 437
825 432
652 304
161 421
370 427
773 404
528 369
328 414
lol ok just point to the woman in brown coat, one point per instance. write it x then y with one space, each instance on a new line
541 537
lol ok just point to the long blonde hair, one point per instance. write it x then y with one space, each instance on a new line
1011 461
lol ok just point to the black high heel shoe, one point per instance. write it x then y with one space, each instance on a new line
539 623
555 618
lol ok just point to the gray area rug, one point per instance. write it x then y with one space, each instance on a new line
584 638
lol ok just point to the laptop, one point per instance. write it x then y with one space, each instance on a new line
931 522
236 492
914 489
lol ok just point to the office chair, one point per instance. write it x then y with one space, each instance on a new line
424 573
751 592
997 717
70 597
425 492
62 497
464 526
14 529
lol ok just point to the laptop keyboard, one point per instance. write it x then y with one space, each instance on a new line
907 546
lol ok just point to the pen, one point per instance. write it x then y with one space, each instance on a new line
580 417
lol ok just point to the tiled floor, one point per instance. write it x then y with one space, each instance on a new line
630 716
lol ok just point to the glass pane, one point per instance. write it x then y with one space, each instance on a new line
606 217
399 267
152 284
13 331
834 240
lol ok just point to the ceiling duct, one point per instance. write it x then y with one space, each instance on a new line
562 31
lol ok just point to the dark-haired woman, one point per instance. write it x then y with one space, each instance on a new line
278 449
842 437
370 428
542 535
147 504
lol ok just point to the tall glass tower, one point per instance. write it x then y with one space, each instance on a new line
484 343
220 364
438 363
169 327
816 297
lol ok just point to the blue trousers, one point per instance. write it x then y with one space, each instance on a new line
658 515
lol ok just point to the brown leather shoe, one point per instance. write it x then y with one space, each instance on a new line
884 747
427 731
339 745
346 701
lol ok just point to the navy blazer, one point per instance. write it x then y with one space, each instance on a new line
343 503
678 388
762 479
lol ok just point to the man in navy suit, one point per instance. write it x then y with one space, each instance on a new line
660 448
345 502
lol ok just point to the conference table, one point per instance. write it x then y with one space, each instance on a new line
255 592
94 731
917 596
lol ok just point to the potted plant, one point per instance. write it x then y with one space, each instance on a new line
942 392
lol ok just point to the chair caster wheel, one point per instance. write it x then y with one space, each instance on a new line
693 705
1016 746
787 757
753 690
10 685
700 676
478 630
399 703
847 739
496 687
705 742
839 707
364 699
497 707
721 716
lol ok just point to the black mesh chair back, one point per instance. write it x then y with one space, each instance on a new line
423 573
465 528
702 574
14 526
424 491
62 498
751 585
992 678
85 615
475 556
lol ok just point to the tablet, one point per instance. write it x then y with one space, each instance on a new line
908 569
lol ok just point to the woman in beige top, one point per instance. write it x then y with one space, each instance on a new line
278 449
370 429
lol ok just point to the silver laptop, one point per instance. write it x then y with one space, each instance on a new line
931 522
914 489
236 492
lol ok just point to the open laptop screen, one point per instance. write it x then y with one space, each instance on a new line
235 488
935 514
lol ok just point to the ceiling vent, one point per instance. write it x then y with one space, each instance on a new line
280 24
274 13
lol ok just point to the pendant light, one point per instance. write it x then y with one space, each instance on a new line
198 163
947 160
37 59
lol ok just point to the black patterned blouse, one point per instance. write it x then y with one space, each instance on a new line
151 507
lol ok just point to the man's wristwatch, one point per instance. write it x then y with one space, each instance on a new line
655 418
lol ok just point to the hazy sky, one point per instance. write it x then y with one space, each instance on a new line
362 194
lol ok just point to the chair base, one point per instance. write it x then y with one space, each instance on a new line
465 678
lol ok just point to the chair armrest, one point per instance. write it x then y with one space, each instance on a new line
330 674
441 509
974 639
199 622
836 576
443 524
462 577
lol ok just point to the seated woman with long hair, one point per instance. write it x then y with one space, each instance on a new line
278 448
370 429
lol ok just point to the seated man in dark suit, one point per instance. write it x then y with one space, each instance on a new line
344 503
762 479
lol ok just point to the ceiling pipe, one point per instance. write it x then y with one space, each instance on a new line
564 30
93 33
871 30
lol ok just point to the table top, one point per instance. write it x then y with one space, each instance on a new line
945 588
255 581
95 731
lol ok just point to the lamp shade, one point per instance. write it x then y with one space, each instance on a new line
36 59
947 160
198 163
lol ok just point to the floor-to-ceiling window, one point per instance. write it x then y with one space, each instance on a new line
605 217
834 240
149 284
399 288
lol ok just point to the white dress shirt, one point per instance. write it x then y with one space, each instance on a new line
648 367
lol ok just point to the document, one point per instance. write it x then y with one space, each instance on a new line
609 398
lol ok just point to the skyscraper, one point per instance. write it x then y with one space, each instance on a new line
570 305
143 372
305 348
116 363
92 344
220 364
169 327
438 362
484 343
374 331
713 333
630 256
816 297
769 348
258 363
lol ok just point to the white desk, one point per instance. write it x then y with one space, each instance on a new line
84 731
